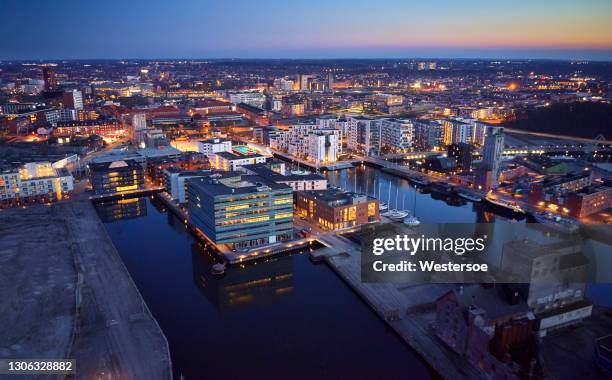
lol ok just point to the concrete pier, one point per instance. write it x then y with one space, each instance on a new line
67 294
407 309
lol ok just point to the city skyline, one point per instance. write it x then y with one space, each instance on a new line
306 30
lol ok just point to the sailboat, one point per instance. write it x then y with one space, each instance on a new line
382 206
412 220
397 215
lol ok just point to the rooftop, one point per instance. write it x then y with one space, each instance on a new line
229 183
264 171
233 156
335 198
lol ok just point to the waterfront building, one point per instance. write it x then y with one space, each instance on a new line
116 176
334 210
364 135
397 135
279 140
231 162
575 194
462 154
492 153
34 182
299 143
458 131
175 181
240 211
322 146
440 164
278 173
428 134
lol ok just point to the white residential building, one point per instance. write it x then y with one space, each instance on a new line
397 134
231 162
364 135
323 146
298 143
279 140
33 180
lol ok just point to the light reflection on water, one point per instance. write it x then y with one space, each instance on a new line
280 318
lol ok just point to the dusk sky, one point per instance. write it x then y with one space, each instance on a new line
563 29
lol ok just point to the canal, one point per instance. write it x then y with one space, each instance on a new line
284 317
281 318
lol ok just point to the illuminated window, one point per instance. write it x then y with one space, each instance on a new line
371 209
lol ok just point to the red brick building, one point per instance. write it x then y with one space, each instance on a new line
334 210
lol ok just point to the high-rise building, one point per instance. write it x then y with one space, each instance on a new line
73 99
49 78
330 82
139 126
240 211
492 152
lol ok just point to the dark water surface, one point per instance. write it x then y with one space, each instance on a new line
286 318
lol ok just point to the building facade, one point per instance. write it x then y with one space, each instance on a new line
334 210
240 211
116 177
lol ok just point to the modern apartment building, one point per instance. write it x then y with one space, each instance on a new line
397 134
231 162
32 182
364 135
